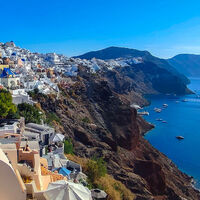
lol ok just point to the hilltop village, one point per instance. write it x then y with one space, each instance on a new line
32 155
70 127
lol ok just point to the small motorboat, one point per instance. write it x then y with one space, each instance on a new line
137 107
159 120
143 113
180 137
165 105
184 100
158 110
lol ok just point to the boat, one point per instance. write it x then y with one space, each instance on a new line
184 100
159 120
165 105
180 137
164 121
137 107
158 110
143 113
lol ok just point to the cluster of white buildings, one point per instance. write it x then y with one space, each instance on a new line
22 71
32 70
51 67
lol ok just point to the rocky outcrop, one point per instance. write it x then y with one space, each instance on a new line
99 120
145 78
153 175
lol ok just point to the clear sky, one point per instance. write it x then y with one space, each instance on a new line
72 27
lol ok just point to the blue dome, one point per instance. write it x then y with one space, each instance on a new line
6 73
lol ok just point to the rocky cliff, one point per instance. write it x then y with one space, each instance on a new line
145 78
96 114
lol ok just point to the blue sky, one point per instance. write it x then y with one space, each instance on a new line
163 27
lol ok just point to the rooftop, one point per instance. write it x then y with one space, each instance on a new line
7 73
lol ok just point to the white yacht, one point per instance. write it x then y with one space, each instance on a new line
158 110
143 113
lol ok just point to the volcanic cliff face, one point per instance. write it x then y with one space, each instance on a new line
99 120
145 78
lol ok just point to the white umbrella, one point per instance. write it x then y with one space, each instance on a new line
58 137
64 190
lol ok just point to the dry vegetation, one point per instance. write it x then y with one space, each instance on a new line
115 189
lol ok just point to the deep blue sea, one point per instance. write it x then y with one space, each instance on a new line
183 118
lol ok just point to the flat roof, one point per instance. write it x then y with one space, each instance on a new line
29 133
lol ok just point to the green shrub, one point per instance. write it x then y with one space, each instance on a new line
96 169
7 108
68 147
52 117
33 93
86 120
36 93
102 168
30 113
46 150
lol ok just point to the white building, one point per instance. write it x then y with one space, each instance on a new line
20 96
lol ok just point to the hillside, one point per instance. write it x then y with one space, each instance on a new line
99 120
120 52
89 101
145 78
187 64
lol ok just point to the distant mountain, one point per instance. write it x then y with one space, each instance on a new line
120 52
113 53
187 64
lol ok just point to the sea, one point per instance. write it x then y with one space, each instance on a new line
180 118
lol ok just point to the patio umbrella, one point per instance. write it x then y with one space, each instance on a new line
64 190
98 194
58 138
